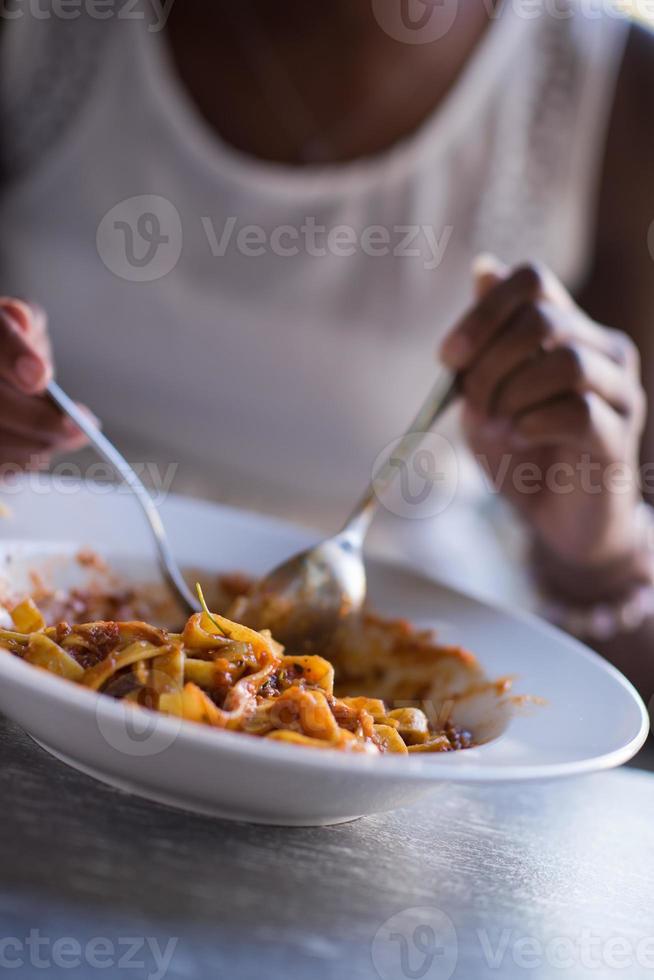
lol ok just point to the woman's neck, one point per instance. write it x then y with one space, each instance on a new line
299 83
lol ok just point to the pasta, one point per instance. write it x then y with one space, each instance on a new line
220 673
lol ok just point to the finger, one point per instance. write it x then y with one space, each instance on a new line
16 444
527 333
38 326
489 316
33 414
487 272
581 421
568 369
539 327
36 418
553 290
29 316
24 357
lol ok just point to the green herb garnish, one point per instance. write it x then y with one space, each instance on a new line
203 603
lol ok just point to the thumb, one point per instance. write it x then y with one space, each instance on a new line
488 271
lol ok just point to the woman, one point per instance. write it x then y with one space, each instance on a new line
249 227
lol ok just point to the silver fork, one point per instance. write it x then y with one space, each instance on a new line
307 595
110 454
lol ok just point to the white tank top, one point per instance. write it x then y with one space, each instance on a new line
270 328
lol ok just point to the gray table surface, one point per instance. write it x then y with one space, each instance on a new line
544 880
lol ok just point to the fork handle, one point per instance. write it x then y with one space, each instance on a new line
441 395
110 454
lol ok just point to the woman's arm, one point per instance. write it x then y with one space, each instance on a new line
620 292
620 288
553 402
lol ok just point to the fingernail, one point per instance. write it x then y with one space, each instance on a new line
487 264
17 311
29 371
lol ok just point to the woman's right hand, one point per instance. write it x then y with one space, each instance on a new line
32 428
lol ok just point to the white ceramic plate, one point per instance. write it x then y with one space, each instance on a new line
592 717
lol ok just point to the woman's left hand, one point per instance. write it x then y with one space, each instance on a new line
554 410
